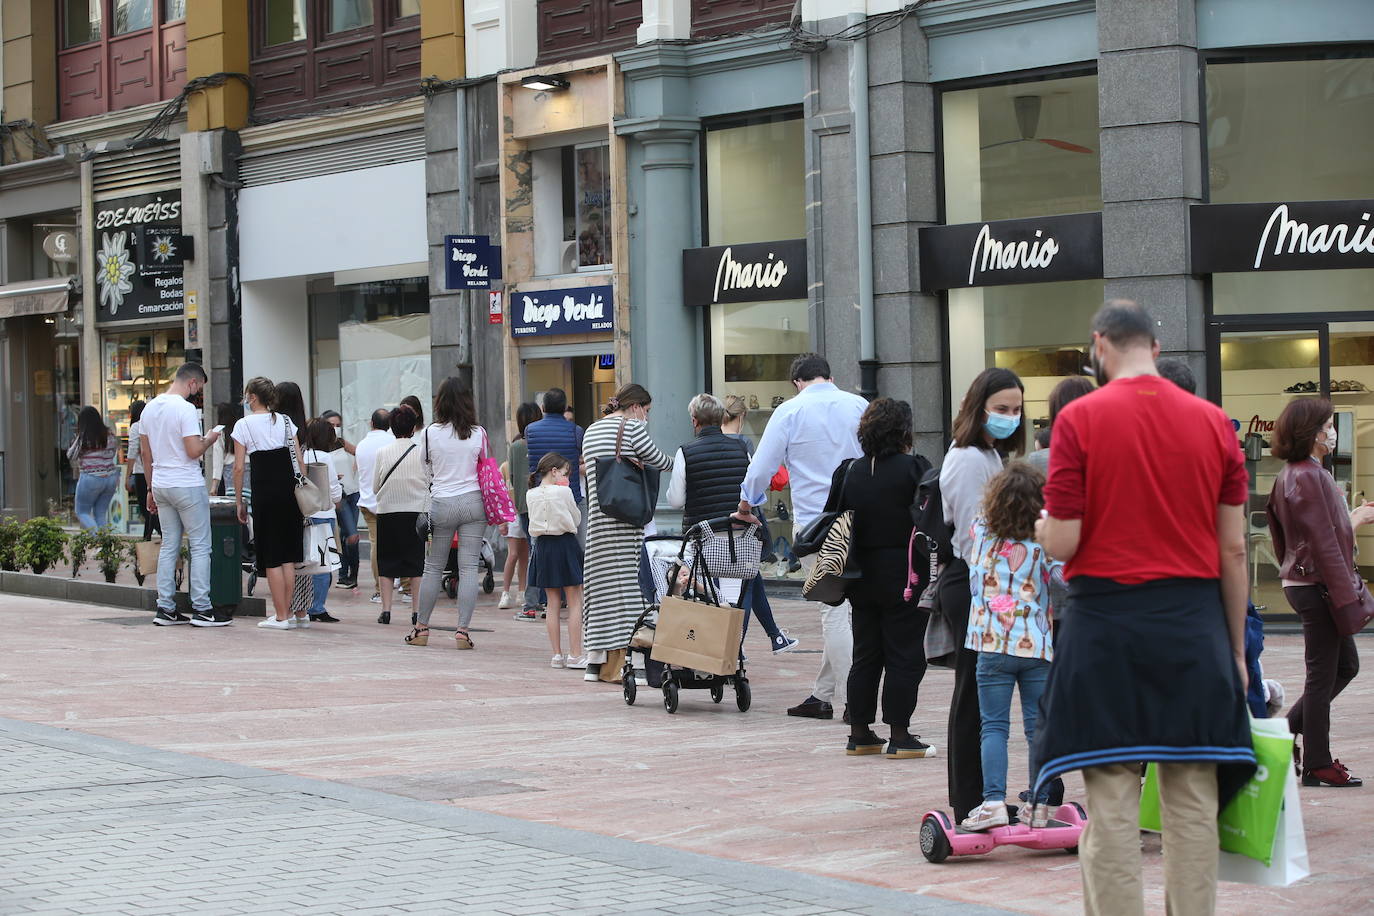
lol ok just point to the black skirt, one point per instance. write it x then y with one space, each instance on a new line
278 528
402 550
560 561
1144 673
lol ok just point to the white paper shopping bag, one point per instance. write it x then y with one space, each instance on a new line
1289 863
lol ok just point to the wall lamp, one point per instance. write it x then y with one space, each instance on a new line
541 83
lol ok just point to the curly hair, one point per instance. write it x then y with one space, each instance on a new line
885 428
1012 501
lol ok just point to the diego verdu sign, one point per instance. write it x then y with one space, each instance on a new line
1001 252
131 285
1307 235
471 261
575 310
754 272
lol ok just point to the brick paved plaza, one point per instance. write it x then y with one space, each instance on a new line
336 770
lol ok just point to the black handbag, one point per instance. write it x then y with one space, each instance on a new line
812 538
626 490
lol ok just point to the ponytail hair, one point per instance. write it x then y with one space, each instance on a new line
550 462
262 389
631 395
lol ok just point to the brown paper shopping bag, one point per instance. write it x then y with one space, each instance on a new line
700 636
146 557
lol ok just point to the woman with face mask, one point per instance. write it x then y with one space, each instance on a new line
987 428
1314 537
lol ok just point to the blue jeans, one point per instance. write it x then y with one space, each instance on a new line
754 597
183 510
347 514
997 675
93 497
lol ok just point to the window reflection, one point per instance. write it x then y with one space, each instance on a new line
285 20
172 10
81 22
349 14
132 15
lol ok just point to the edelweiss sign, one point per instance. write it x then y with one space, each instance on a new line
1308 235
1001 252
578 310
139 251
752 272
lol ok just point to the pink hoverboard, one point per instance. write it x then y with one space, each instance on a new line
941 838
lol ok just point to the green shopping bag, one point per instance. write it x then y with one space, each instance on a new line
1247 826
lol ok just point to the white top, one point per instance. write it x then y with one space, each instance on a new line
315 456
810 435
677 486
347 470
963 476
450 461
133 451
365 454
167 421
261 432
221 460
552 510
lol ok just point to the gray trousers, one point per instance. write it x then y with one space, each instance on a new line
465 515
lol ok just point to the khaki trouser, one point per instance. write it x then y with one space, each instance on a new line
374 536
1110 851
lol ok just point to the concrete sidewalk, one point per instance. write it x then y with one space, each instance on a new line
94 826
496 730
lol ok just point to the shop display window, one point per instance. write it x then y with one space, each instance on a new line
370 345
137 366
572 208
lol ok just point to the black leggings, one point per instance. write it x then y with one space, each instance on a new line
150 521
964 761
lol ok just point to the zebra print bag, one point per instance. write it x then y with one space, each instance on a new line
834 570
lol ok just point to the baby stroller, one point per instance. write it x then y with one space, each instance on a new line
487 562
667 561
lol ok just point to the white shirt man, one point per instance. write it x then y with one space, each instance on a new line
810 435
365 454
171 446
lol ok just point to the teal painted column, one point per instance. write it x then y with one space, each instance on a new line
666 338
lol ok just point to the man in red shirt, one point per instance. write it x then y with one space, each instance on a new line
1146 505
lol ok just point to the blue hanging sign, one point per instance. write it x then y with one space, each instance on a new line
471 261
575 310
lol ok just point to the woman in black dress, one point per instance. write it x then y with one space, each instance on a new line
271 439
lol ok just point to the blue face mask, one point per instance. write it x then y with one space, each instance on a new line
247 408
1001 425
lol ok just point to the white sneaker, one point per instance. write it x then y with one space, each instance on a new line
505 602
302 623
579 662
405 598
272 623
986 816
1040 816
557 662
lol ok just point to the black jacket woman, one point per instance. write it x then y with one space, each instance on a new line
889 629
987 427
1314 537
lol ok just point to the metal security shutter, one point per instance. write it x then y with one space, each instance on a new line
140 171
328 158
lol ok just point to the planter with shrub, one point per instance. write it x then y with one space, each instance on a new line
111 552
10 529
42 544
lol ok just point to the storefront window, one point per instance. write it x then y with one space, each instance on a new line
81 22
371 347
285 21
1293 130
1021 151
592 203
137 366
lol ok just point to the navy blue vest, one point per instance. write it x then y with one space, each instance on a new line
556 434
716 465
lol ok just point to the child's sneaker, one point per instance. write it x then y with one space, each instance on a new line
1040 816
783 643
986 816
505 602
579 663
528 614
557 662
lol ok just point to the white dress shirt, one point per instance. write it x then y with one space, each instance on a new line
365 454
810 435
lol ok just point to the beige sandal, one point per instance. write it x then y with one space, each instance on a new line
463 639
418 636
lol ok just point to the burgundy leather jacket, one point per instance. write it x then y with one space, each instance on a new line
1313 538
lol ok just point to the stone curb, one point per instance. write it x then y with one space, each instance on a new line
107 594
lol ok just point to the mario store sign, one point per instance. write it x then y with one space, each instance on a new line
138 261
576 310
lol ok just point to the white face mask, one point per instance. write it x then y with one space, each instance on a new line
1331 441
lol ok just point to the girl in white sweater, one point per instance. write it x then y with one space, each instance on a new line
554 518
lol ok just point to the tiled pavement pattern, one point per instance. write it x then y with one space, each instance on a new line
89 825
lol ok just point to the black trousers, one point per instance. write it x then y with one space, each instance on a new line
889 645
151 523
964 761
1332 663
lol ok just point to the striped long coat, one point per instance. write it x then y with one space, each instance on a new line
612 600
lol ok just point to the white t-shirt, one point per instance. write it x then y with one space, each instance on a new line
261 432
345 466
315 456
452 462
167 421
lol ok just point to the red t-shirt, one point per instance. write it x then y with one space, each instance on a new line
1144 464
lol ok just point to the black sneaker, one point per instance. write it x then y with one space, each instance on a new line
209 619
170 618
812 708
909 747
865 744
326 617
346 583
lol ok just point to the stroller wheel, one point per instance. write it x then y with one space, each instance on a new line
744 697
451 586
489 583
627 681
717 693
670 696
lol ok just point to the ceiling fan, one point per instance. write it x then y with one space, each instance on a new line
1027 110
